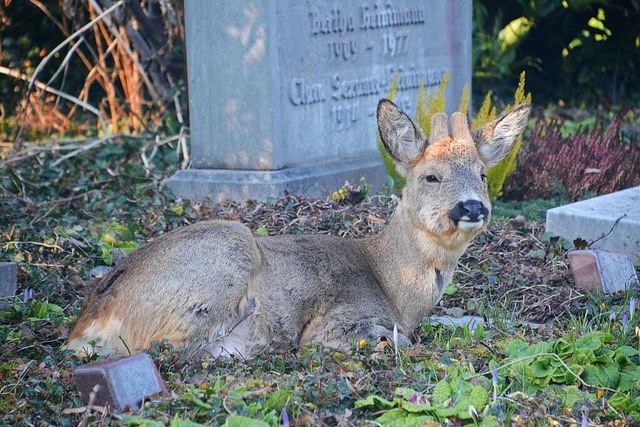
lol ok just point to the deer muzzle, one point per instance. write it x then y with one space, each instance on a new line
469 215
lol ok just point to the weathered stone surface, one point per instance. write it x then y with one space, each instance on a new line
594 218
285 84
472 321
314 181
8 283
608 272
123 381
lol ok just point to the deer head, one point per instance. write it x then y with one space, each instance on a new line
446 192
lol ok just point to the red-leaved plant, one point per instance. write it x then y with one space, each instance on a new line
593 161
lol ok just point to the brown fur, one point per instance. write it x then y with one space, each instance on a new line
214 287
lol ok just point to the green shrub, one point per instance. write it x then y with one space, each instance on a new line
435 103
498 174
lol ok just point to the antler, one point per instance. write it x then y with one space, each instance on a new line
439 127
460 126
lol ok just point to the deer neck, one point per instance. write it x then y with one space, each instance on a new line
413 265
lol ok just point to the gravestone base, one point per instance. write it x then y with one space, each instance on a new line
318 180
595 219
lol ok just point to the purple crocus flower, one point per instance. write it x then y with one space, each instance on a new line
285 417
28 294
494 375
585 421
414 399
612 317
632 306
625 319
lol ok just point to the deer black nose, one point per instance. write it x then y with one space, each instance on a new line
470 210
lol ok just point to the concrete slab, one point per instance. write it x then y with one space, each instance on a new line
593 218
8 283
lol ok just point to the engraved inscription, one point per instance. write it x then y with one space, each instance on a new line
301 93
346 89
375 16
336 22
344 116
395 43
342 49
373 36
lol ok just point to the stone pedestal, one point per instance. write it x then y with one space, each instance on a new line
283 93
612 219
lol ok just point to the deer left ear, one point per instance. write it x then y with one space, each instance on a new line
496 139
402 139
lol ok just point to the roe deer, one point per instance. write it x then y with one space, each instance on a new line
214 287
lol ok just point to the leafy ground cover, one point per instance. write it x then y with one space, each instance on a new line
60 221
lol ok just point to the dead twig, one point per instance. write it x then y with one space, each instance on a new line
129 52
44 87
93 144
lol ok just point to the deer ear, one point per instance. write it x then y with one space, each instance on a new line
402 139
496 139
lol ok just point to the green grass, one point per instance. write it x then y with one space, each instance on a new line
533 210
62 221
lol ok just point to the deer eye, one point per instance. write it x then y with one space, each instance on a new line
432 178
484 177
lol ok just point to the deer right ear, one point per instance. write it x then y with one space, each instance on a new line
401 138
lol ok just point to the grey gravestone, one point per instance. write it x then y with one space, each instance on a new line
8 283
613 220
282 93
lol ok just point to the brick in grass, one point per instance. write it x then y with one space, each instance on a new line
595 270
124 382
8 283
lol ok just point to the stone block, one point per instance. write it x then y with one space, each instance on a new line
608 272
276 85
595 220
124 382
318 180
8 283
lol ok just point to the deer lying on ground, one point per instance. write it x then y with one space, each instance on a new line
213 287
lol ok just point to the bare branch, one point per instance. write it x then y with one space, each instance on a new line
129 52
70 39
40 85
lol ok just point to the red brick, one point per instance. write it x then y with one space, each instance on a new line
595 270
124 381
